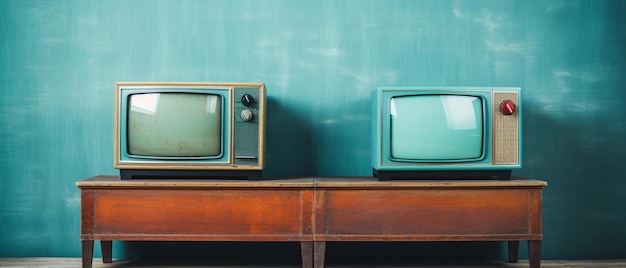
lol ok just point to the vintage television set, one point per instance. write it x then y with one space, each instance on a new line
446 132
189 130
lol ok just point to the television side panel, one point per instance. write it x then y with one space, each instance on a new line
376 134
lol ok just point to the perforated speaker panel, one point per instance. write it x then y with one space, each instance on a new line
505 131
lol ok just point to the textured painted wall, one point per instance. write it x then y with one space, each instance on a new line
320 60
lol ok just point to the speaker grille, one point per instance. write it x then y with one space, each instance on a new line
505 131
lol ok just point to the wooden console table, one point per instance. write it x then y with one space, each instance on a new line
311 211
365 209
195 210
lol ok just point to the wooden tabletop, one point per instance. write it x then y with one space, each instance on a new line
106 181
371 182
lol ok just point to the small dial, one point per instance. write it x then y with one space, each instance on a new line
246 115
508 107
247 99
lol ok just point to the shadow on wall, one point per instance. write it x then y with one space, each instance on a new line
287 142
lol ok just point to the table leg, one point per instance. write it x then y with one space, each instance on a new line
306 248
107 251
513 251
534 253
87 253
319 254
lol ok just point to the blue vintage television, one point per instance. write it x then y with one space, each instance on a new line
446 132
189 130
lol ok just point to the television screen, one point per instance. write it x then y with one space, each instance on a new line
436 128
174 125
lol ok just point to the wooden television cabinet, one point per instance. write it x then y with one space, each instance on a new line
311 211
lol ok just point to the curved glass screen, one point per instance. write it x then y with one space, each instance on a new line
433 128
175 125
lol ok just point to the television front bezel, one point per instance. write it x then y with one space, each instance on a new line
387 124
226 162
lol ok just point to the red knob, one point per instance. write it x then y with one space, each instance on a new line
508 107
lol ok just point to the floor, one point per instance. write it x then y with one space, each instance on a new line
76 262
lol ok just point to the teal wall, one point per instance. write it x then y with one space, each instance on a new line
320 60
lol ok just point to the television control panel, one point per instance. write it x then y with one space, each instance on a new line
248 117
